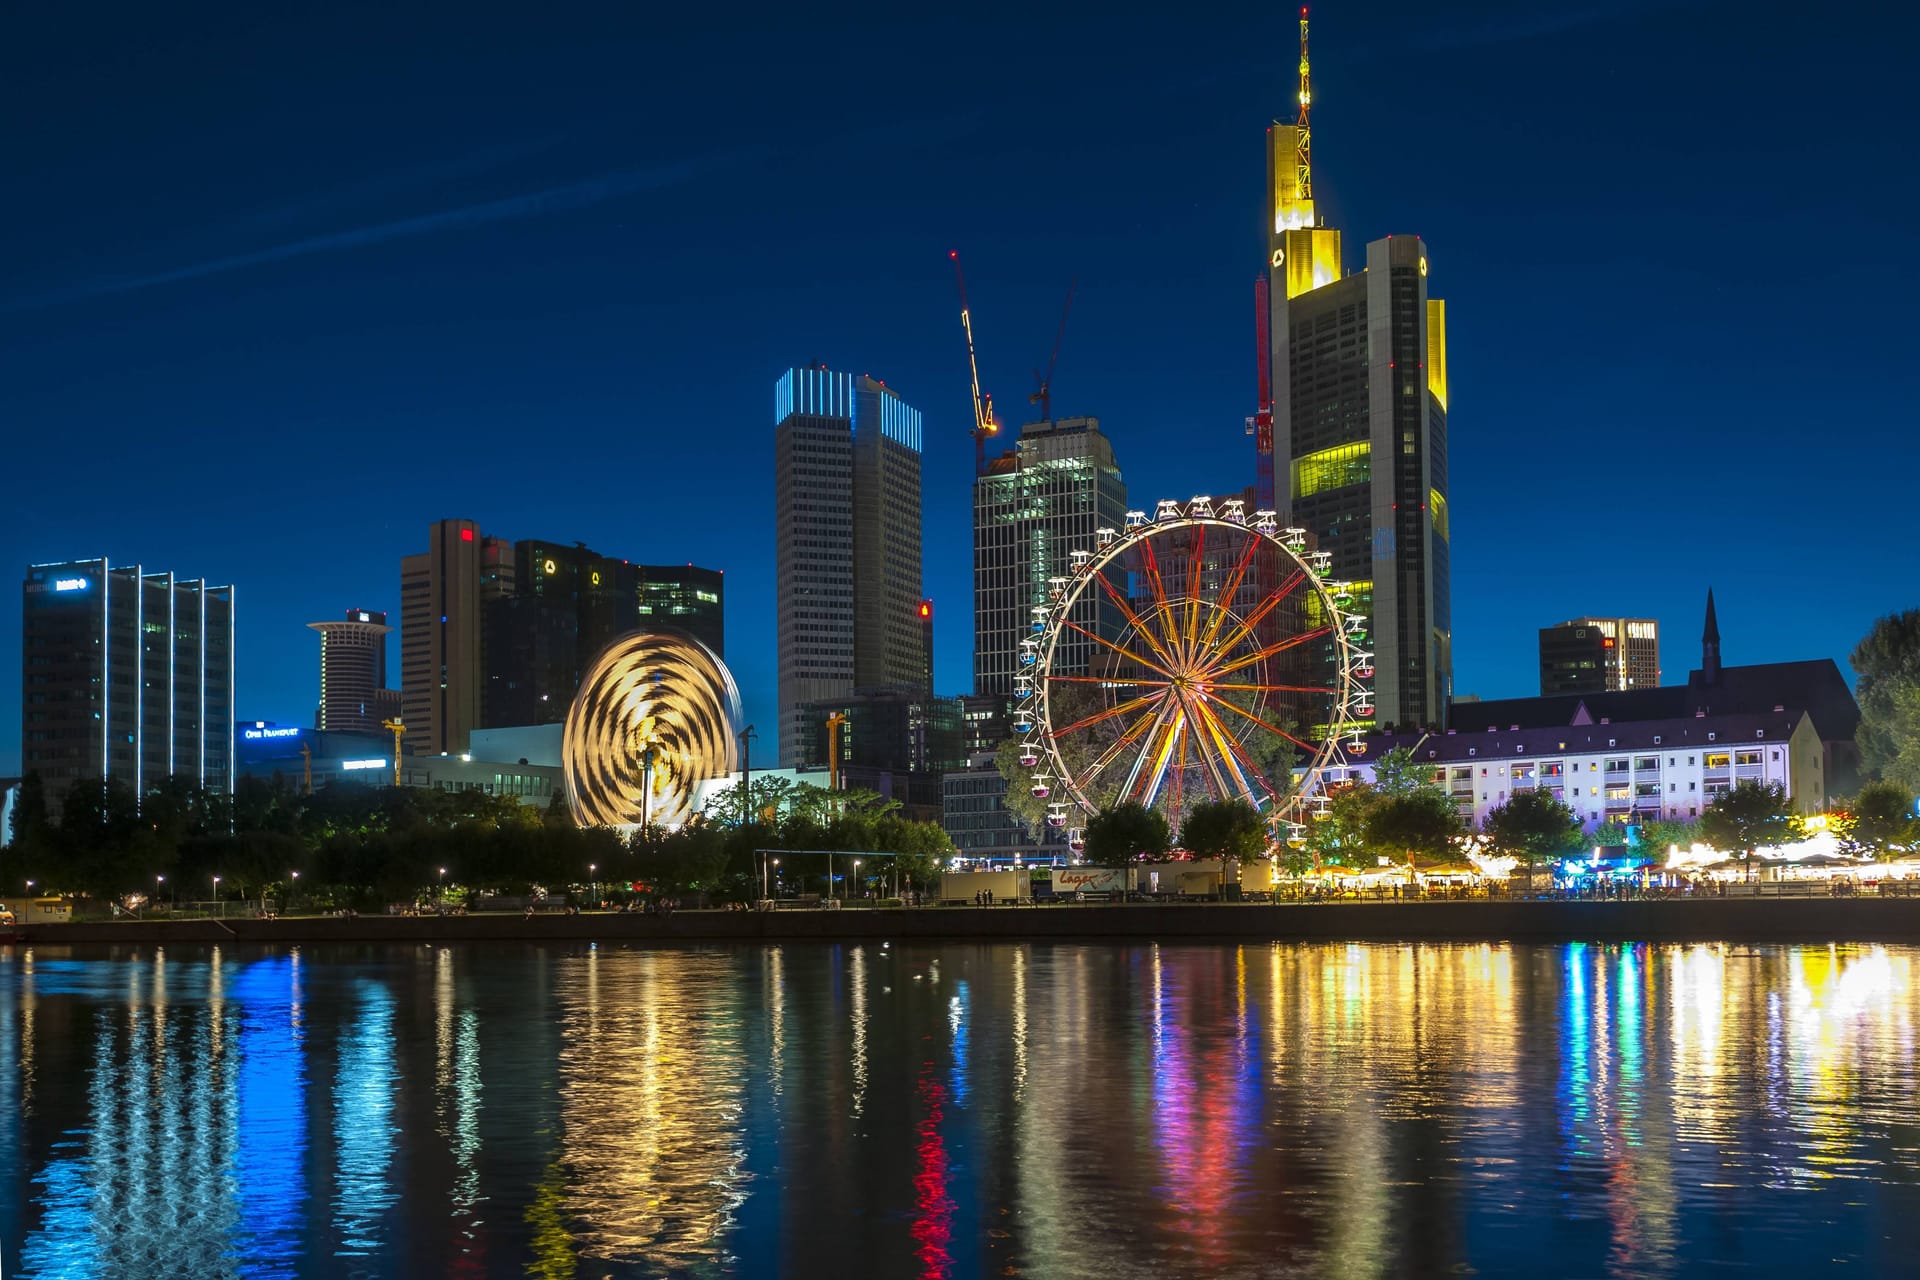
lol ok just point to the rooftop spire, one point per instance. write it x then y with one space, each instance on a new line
1303 151
1710 644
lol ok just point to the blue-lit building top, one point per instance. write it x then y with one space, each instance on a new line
846 543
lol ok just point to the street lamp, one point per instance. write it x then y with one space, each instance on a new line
156 889
593 895
216 893
856 870
293 888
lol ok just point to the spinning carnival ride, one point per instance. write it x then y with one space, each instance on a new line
653 723
1196 655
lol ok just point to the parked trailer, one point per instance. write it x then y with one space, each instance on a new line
1206 878
1006 886
1103 882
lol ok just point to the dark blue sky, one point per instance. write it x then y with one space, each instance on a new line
279 290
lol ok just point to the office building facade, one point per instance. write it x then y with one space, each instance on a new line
353 672
442 595
497 633
126 675
846 543
1359 441
1591 655
1036 505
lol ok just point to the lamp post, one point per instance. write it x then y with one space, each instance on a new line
294 877
746 736
157 881
216 895
593 883
856 872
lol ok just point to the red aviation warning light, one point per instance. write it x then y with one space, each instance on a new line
926 609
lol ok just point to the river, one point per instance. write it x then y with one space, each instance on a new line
1050 1110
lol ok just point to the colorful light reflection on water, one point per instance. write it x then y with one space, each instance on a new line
1096 1111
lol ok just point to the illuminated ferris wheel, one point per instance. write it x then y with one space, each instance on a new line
1197 655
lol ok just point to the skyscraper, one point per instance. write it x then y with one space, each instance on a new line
1036 505
1589 655
353 672
846 542
442 594
127 675
1359 437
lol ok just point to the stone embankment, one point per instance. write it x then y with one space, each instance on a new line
1710 920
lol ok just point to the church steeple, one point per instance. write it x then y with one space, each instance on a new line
1710 645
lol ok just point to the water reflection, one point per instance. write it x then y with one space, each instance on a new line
1352 1111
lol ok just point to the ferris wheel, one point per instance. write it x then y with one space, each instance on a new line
1197 655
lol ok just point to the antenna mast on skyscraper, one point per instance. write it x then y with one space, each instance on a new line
1303 150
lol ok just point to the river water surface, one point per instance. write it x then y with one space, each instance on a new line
968 1110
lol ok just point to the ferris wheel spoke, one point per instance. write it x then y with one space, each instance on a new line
1134 619
1260 611
1209 759
1114 752
1261 655
1222 607
1162 757
1125 708
1192 633
1162 609
1238 750
1123 652
1270 688
1116 680
1128 787
1308 747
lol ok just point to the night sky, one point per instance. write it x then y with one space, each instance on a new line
279 289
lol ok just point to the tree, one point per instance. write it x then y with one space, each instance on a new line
1396 774
1661 834
1887 662
1882 819
1338 837
1420 823
1753 815
1224 829
1029 809
1535 828
1125 832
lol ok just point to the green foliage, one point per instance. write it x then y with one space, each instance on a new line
1418 824
1030 810
1535 828
1881 820
1126 832
1224 829
1395 774
1751 816
1338 838
1887 662
1657 834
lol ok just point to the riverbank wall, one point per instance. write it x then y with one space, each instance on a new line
1709 920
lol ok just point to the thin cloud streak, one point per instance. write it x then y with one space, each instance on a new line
553 200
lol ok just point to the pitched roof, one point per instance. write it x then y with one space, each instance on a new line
1641 735
1817 686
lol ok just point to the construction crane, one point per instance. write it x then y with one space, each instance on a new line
398 730
835 723
1043 393
984 427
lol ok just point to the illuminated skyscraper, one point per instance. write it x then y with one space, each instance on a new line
1034 507
353 672
1589 655
442 593
846 542
128 675
1359 442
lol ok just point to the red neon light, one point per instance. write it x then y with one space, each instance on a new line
466 535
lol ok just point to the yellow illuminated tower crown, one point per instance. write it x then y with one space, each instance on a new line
1304 254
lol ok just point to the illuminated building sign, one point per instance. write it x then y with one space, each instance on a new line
261 733
69 584
363 764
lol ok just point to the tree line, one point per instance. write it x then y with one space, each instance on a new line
360 846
